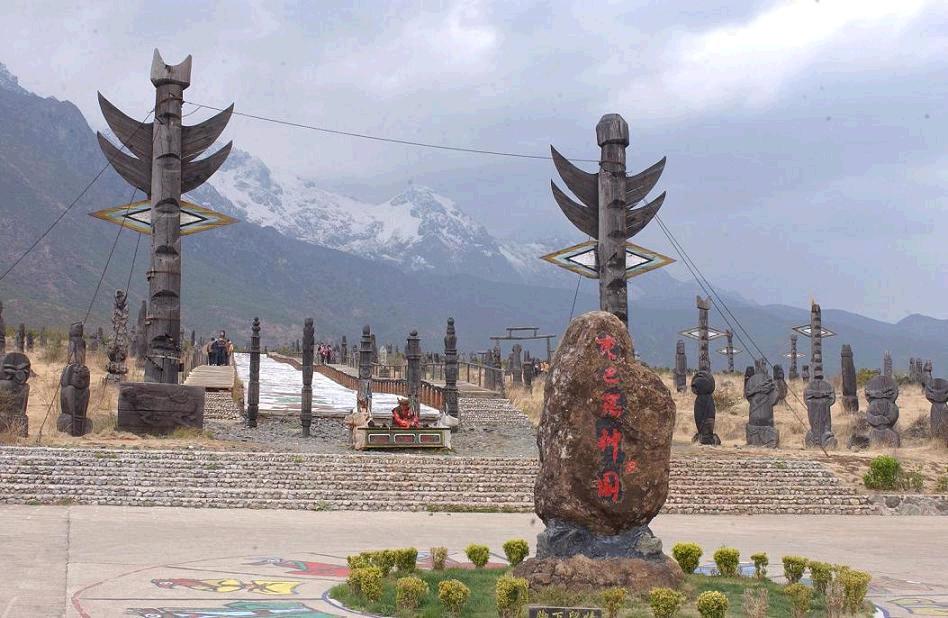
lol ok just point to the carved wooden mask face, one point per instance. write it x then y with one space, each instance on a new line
16 367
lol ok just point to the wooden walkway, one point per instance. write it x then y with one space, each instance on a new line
212 377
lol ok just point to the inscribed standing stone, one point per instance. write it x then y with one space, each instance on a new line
887 365
681 367
850 399
604 440
937 394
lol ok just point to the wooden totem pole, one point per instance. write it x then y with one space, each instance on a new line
730 350
253 389
364 394
451 371
164 167
413 372
308 345
793 358
605 210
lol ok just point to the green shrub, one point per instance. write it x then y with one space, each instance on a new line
755 602
665 602
884 472
712 604
358 561
835 598
453 595
728 560
864 375
911 480
478 554
406 559
512 595
793 568
855 586
800 597
687 556
354 580
612 601
516 550
366 581
760 564
410 592
822 574
439 555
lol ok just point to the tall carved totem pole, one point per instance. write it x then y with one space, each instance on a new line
253 388
306 405
451 371
605 210
163 165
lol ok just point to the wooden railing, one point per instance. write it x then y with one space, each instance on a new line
430 394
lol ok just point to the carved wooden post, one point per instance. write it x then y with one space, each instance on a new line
140 343
3 332
253 389
516 365
344 352
451 371
887 364
375 350
413 372
793 358
819 394
306 406
730 350
702 382
681 367
21 338
848 367
164 166
364 394
704 358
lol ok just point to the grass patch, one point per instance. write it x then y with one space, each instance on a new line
482 583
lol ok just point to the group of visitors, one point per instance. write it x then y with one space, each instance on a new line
220 350
326 353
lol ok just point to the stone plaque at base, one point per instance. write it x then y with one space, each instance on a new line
389 437
536 611
159 408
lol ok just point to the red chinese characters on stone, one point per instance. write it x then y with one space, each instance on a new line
631 466
611 376
610 439
608 485
607 344
612 404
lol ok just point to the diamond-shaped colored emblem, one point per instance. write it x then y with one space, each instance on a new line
695 333
733 350
799 355
581 259
137 217
807 332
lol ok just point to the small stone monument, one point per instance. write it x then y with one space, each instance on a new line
14 394
118 350
850 399
308 348
74 387
762 395
882 412
528 372
887 365
516 364
819 394
702 382
793 358
937 394
604 440
3 332
30 341
805 373
681 367
926 374
344 352
21 338
782 388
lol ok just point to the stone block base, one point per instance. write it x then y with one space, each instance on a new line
762 435
388 437
159 408
563 539
884 437
580 573
827 440
64 424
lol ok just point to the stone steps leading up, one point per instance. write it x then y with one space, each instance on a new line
387 482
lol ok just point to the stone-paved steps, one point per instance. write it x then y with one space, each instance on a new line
493 413
387 482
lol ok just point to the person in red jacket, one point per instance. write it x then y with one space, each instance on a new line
403 416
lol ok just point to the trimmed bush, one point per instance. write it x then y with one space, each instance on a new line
612 601
793 568
516 550
406 559
800 597
358 561
884 472
712 604
728 560
478 554
855 586
453 595
439 555
512 595
760 564
822 574
410 592
665 602
687 556
366 581
755 602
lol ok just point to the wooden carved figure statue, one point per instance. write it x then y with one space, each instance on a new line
882 412
118 350
14 393
937 394
74 387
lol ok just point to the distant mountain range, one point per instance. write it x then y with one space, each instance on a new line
301 251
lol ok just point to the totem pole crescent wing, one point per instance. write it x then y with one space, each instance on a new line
636 220
198 138
583 217
584 185
638 185
136 135
194 173
135 171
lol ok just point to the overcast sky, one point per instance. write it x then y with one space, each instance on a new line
807 141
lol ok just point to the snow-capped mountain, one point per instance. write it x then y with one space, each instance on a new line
417 230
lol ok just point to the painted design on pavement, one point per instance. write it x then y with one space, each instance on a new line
302 567
237 609
226 586
922 606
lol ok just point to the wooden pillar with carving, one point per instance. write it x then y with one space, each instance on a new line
306 403
413 372
253 388
364 394
451 371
